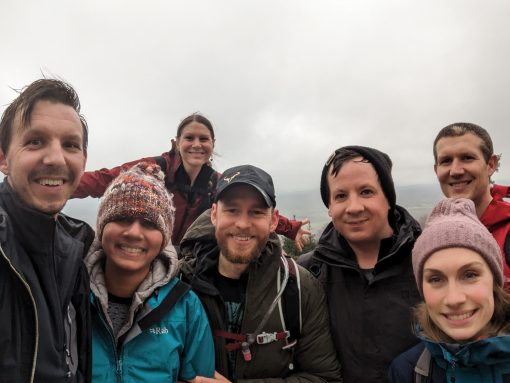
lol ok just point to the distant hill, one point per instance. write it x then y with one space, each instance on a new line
417 199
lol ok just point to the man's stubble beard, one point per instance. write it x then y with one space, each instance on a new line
245 257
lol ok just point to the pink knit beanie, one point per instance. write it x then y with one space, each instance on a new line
453 223
139 192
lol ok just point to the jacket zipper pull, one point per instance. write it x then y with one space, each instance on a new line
119 367
245 348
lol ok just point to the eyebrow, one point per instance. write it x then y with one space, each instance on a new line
29 130
472 264
461 153
230 203
368 185
38 130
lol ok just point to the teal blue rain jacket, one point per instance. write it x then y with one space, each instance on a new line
482 361
179 347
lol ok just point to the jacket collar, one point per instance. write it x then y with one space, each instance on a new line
164 267
334 249
35 228
487 351
497 212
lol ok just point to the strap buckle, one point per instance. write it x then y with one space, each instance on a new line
268 337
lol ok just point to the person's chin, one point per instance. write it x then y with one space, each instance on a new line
356 235
51 207
197 161
455 191
241 254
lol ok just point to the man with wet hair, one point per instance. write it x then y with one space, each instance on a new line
44 309
464 161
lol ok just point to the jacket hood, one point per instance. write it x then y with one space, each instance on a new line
200 230
334 250
498 210
164 267
499 192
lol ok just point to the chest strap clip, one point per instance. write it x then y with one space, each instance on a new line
268 337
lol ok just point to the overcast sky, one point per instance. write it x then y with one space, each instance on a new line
284 82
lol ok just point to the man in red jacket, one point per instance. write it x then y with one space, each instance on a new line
464 162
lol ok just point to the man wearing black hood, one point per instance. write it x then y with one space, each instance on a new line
363 259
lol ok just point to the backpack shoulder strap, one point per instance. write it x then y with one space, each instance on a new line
168 303
422 368
290 311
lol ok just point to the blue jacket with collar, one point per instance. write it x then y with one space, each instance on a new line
482 361
176 345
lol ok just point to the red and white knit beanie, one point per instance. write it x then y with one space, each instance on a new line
139 192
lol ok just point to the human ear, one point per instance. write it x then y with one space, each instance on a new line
4 167
214 213
493 164
275 215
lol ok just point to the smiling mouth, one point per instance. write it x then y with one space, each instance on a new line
50 182
460 317
459 184
355 223
132 250
241 237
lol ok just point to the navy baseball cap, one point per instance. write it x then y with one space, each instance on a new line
248 175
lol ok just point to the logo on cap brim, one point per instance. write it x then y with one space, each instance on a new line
228 179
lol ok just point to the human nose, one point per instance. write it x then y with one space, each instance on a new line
354 205
54 155
457 169
133 230
243 221
455 294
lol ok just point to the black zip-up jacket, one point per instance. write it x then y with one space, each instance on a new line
44 295
370 321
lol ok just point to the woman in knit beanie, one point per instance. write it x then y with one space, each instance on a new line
146 324
464 321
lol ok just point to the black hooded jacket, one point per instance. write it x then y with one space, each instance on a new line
44 295
370 320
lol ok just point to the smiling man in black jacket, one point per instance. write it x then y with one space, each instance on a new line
44 327
270 323
363 259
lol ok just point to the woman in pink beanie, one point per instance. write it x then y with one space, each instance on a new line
464 322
